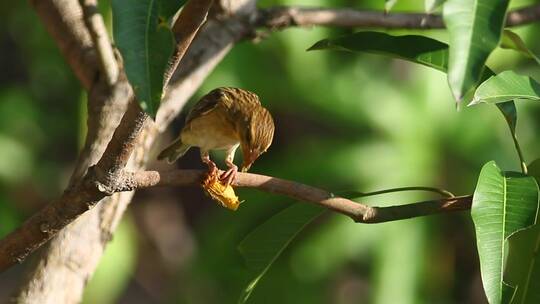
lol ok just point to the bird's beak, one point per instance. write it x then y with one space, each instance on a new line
248 161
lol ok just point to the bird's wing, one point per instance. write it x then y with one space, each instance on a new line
202 107
220 97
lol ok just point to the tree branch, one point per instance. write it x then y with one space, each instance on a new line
100 38
281 17
125 136
106 105
120 147
63 20
359 212
73 255
55 215
185 28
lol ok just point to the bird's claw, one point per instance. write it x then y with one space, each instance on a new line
227 177
212 170
218 186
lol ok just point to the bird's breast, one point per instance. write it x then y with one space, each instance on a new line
210 132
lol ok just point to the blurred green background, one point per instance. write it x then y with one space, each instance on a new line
343 121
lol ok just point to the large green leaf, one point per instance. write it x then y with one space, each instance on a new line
511 40
522 270
507 86
503 203
168 8
146 42
417 49
475 28
264 244
534 169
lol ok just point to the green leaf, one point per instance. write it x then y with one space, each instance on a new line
511 40
168 8
417 49
432 5
534 169
503 203
522 270
146 44
264 244
507 86
475 28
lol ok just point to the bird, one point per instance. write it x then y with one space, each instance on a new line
224 119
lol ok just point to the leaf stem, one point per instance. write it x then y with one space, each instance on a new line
356 194
522 162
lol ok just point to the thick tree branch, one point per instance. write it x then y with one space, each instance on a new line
73 255
70 259
125 136
286 16
44 224
106 105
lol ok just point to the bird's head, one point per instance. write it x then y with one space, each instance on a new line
255 136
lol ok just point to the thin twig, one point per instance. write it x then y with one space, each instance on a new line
440 191
286 16
522 162
185 29
430 207
96 26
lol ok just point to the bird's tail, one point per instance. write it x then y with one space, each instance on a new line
174 151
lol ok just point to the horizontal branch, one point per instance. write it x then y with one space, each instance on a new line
281 17
359 212
16 246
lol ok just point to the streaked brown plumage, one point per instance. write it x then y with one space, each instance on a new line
224 119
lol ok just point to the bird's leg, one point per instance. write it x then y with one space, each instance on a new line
212 168
228 176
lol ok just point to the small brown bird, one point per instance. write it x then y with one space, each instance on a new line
224 119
